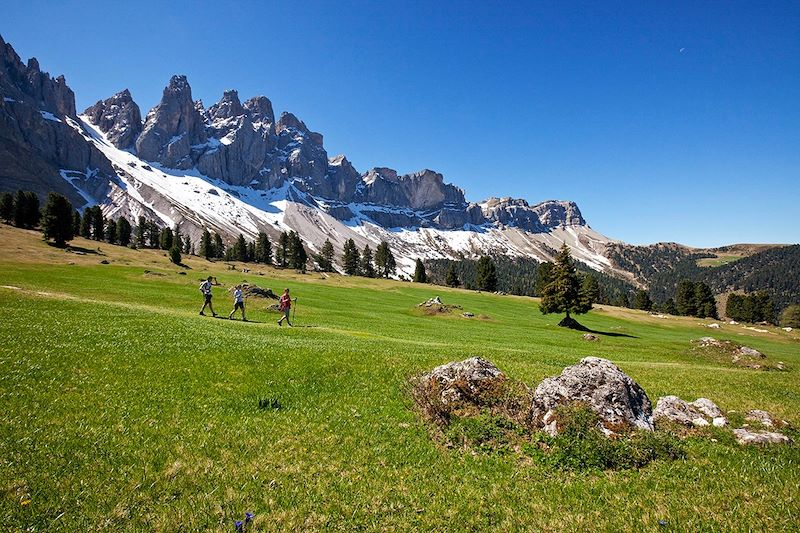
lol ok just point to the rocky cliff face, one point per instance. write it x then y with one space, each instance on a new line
40 147
541 217
118 117
173 128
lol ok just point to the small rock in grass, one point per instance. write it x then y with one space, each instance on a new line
714 326
590 337
467 315
745 436
700 422
463 381
719 421
104 262
707 407
762 417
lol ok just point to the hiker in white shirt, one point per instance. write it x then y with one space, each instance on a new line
205 288
238 302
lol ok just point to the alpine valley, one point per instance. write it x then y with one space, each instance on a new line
234 168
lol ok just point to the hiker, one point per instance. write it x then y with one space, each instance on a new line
205 288
285 305
238 302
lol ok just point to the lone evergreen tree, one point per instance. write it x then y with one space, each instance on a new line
486 274
98 224
86 224
188 246
111 231
141 231
76 223
451 279
420 276
350 258
366 265
282 251
175 255
57 220
240 249
7 207
263 249
325 258
207 245
384 260
219 247
563 293
153 235
590 289
165 239
123 231
685 301
298 257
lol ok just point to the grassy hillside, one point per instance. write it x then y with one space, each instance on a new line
122 409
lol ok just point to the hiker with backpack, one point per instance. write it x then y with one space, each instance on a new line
238 303
285 305
205 288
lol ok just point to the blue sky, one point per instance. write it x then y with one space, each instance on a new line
670 121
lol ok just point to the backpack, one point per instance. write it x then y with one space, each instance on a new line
204 286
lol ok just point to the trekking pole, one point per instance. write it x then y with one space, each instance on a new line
294 311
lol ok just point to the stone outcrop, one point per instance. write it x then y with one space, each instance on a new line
118 117
748 436
40 138
699 413
173 128
618 400
470 381
518 213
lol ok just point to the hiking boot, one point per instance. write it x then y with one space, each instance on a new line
279 323
202 313
215 315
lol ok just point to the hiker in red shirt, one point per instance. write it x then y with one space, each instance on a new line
285 305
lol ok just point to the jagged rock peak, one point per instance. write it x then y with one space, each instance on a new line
260 109
228 107
289 121
118 117
172 127
27 83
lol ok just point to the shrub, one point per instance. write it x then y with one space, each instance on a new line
175 255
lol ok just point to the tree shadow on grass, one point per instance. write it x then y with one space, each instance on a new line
571 323
76 249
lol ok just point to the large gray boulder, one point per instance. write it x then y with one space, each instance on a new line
470 381
603 387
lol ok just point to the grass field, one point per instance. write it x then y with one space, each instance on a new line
719 260
122 409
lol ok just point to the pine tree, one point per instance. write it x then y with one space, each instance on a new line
298 257
165 239
563 293
325 258
366 265
704 302
188 246
590 289
111 231
177 240
207 245
641 300
486 274
622 300
420 276
57 219
175 255
7 207
451 279
141 231
669 307
350 258
240 249
76 223
685 301
123 231
282 250
26 209
544 275
153 235
263 249
251 251
86 223
98 224
384 260
219 247
790 318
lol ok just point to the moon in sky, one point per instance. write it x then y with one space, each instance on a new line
681 50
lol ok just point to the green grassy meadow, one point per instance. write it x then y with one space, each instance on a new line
121 409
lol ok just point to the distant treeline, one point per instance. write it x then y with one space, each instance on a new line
521 276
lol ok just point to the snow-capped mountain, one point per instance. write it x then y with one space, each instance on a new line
233 168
